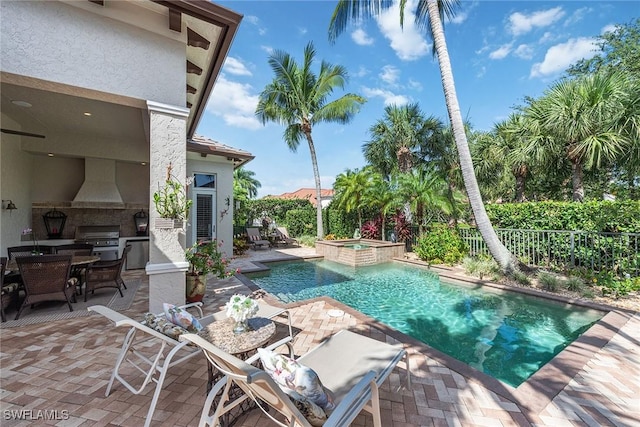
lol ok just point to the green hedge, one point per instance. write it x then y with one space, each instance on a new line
301 221
276 209
602 216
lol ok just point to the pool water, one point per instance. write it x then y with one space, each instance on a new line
356 246
506 335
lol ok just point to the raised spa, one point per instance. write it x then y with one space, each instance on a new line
359 252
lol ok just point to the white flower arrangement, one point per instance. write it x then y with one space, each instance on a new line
241 308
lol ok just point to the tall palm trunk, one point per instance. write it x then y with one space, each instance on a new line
499 252
520 174
316 176
577 181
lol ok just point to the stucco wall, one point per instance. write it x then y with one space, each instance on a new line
57 42
15 182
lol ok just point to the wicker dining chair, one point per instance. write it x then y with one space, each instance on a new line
46 278
9 292
76 249
106 274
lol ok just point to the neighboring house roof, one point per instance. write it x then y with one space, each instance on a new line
304 193
204 146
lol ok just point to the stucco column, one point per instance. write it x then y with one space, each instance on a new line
167 266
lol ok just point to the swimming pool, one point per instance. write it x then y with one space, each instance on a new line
506 335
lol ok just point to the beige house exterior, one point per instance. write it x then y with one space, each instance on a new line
98 99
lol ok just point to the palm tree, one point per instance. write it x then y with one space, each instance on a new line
581 117
394 137
244 179
428 13
423 189
297 98
350 189
382 196
512 136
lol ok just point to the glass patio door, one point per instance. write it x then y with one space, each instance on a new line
203 212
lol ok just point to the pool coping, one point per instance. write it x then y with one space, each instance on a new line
533 395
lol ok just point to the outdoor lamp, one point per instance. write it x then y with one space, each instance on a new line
10 206
142 222
54 222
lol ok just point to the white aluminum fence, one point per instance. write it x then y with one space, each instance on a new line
563 249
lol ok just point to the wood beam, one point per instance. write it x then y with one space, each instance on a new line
196 40
193 68
175 20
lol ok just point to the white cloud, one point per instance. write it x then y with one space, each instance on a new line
388 97
501 52
416 85
577 16
407 42
235 103
389 74
235 66
362 71
460 17
559 57
481 71
519 23
608 29
360 37
302 31
546 37
523 51
254 20
267 49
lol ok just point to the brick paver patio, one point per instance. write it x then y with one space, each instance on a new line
64 366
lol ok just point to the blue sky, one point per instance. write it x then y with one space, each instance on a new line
501 52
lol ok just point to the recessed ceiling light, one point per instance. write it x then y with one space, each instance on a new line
24 104
86 113
50 154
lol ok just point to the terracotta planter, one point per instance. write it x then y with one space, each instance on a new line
196 287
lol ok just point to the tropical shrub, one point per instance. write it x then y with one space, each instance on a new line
371 229
481 267
240 246
574 284
440 245
548 282
307 240
401 227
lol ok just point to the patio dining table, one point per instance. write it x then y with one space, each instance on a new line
76 261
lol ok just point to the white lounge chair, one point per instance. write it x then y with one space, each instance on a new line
142 340
350 365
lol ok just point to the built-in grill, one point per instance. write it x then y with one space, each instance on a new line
104 238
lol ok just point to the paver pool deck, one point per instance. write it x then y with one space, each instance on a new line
65 366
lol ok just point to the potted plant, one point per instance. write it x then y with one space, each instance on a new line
205 257
172 203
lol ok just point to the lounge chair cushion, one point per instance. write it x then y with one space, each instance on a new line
312 412
181 318
293 376
163 326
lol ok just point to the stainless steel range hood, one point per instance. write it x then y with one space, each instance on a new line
99 188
